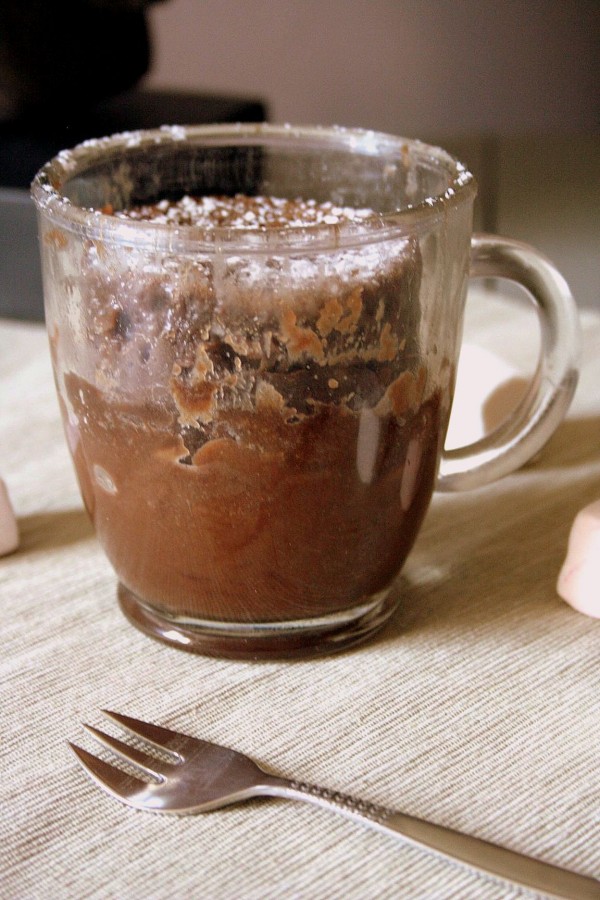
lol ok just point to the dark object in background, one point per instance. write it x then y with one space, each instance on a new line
26 144
68 72
59 55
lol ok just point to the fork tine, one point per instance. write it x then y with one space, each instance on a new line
116 782
148 764
162 738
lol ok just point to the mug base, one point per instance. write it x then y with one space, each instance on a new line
261 640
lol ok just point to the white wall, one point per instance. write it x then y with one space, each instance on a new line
406 66
509 86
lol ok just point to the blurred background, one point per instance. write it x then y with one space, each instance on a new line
512 88
394 65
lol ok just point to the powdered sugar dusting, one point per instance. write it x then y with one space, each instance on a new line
247 273
242 211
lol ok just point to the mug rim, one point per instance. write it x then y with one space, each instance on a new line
47 189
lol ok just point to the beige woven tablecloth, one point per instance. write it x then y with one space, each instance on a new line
477 707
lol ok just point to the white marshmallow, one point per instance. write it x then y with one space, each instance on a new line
9 533
579 578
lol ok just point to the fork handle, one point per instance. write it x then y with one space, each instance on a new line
478 854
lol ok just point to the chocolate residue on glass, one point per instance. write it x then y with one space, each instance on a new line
249 453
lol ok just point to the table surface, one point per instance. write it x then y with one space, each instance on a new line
477 706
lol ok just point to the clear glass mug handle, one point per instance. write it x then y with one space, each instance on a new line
551 389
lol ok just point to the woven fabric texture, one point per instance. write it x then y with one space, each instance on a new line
478 706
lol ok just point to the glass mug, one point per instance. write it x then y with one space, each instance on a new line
257 412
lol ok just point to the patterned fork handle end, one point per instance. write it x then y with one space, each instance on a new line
482 856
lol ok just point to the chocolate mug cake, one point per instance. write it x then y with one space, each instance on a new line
255 333
282 463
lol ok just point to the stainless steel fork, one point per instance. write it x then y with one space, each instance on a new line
190 776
